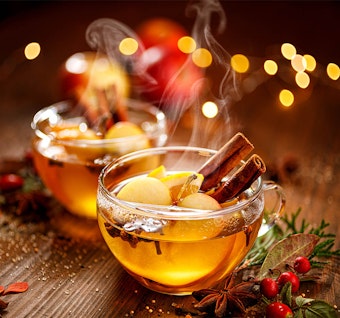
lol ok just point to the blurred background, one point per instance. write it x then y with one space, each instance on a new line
256 29
299 140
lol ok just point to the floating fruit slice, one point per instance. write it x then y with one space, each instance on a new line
199 201
158 173
182 184
73 137
72 133
125 129
146 190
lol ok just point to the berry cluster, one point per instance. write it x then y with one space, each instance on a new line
270 288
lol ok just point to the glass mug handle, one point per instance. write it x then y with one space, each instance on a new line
273 214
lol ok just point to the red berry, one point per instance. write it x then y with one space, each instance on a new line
278 310
269 287
10 182
289 277
302 264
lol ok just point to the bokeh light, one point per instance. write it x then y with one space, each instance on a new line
239 63
333 71
186 44
202 57
288 50
32 50
128 46
310 62
302 79
286 98
209 109
298 63
270 67
76 63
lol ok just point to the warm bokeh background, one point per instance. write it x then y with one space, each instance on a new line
305 135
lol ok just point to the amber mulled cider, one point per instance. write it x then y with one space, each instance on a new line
168 233
69 156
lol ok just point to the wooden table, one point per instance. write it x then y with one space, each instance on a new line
64 259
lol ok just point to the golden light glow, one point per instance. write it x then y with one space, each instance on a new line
333 71
286 98
202 57
209 109
76 63
32 50
239 63
302 79
128 46
310 62
270 67
186 44
298 63
288 50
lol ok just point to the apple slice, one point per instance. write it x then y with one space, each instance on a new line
146 190
199 201
125 129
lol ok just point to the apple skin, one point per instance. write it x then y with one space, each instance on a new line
90 70
170 73
171 76
160 31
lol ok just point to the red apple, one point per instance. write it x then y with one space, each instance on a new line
171 76
160 31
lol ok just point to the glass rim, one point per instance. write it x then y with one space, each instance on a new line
172 212
63 106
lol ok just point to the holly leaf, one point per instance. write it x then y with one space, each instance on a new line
285 251
320 309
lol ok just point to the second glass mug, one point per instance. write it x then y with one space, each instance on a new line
171 249
70 168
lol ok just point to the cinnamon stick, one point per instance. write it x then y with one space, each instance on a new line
241 180
225 160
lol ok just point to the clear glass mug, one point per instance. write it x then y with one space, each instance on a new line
70 168
175 250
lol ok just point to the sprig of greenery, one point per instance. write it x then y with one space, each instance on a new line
287 226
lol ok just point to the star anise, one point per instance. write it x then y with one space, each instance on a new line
232 300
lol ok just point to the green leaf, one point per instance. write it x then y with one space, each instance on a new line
285 251
320 309
301 301
286 294
298 313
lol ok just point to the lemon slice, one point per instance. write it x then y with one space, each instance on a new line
182 184
158 173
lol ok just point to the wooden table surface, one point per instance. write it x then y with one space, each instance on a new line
64 259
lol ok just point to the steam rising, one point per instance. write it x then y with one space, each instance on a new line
223 74
104 35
